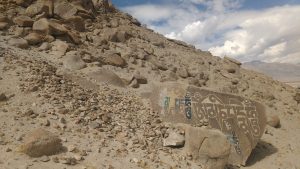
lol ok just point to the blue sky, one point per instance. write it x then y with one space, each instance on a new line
266 30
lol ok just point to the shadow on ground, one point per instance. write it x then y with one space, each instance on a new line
261 151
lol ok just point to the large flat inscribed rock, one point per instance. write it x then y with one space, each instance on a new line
243 121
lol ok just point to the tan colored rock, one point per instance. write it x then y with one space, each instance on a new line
76 23
20 43
59 47
274 121
56 28
23 21
104 76
41 26
35 9
41 142
209 147
73 61
74 37
64 9
174 140
24 3
115 59
3 25
34 38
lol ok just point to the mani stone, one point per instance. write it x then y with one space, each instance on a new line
243 121
40 142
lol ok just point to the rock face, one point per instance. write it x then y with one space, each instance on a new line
210 147
241 120
41 142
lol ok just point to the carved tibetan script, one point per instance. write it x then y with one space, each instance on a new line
242 120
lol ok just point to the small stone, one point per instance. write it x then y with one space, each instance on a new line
94 125
62 120
140 79
45 159
34 38
115 59
134 84
68 160
20 43
3 25
3 97
174 140
44 46
274 121
73 61
23 21
8 150
45 122
55 159
71 148
41 26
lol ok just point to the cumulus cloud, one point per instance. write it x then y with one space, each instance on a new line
223 28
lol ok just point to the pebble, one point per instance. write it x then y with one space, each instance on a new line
44 159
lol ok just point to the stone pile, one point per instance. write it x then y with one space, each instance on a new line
40 21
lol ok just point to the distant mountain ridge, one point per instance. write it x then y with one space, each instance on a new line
284 72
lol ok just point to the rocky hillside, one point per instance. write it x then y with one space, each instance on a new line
75 82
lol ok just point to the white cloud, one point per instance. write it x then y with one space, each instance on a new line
269 35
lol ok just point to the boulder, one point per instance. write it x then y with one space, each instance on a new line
243 121
76 23
210 147
115 59
41 26
64 9
34 38
104 76
23 21
73 61
40 142
116 35
56 28
20 43
42 8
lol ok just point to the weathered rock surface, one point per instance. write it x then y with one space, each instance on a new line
209 147
41 142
